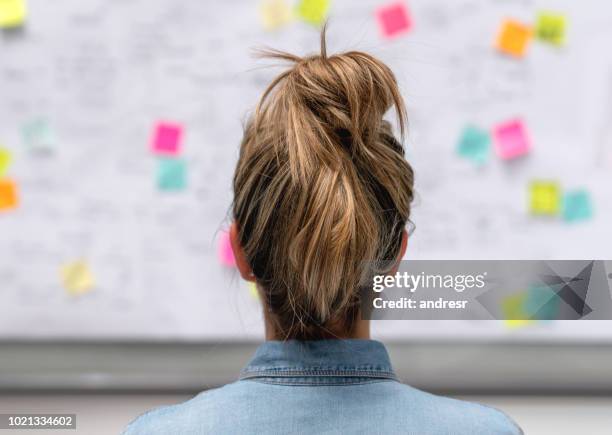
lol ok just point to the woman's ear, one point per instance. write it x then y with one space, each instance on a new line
241 263
401 253
404 246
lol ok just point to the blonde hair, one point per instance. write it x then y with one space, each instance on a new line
321 187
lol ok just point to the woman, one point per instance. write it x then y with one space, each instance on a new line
321 188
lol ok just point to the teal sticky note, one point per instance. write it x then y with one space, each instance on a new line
542 303
577 206
38 135
474 144
171 174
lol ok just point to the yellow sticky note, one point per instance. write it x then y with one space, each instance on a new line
514 38
550 28
313 11
8 194
12 13
517 323
5 161
253 290
275 14
77 278
544 198
513 309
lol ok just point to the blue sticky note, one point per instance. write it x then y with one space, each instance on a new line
474 144
577 206
171 174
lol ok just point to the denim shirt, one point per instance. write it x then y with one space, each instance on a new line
321 387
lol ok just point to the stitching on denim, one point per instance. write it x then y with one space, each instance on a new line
349 368
317 384
315 373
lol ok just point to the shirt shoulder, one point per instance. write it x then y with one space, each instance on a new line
195 416
393 407
448 415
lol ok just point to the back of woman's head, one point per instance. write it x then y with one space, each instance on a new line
321 188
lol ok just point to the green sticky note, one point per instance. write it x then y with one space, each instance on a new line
171 174
577 206
313 11
38 135
545 198
5 161
474 144
551 28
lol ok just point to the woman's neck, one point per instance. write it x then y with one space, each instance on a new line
360 331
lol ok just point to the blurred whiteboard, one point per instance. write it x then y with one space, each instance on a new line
104 72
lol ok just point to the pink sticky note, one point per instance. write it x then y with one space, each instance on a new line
167 138
511 139
393 19
226 253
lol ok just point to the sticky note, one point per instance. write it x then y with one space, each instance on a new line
313 11
77 277
38 135
274 14
551 28
5 161
513 38
393 19
542 303
577 206
253 290
513 309
226 253
8 194
474 144
171 174
511 139
544 198
12 13
167 138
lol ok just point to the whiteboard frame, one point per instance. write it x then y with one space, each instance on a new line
444 367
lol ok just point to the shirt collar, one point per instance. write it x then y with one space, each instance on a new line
335 358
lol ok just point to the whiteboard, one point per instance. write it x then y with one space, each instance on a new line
103 73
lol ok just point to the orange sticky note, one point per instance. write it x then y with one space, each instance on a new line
8 194
514 38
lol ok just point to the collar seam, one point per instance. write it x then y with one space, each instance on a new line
272 373
284 382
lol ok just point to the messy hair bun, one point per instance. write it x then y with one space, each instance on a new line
321 187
